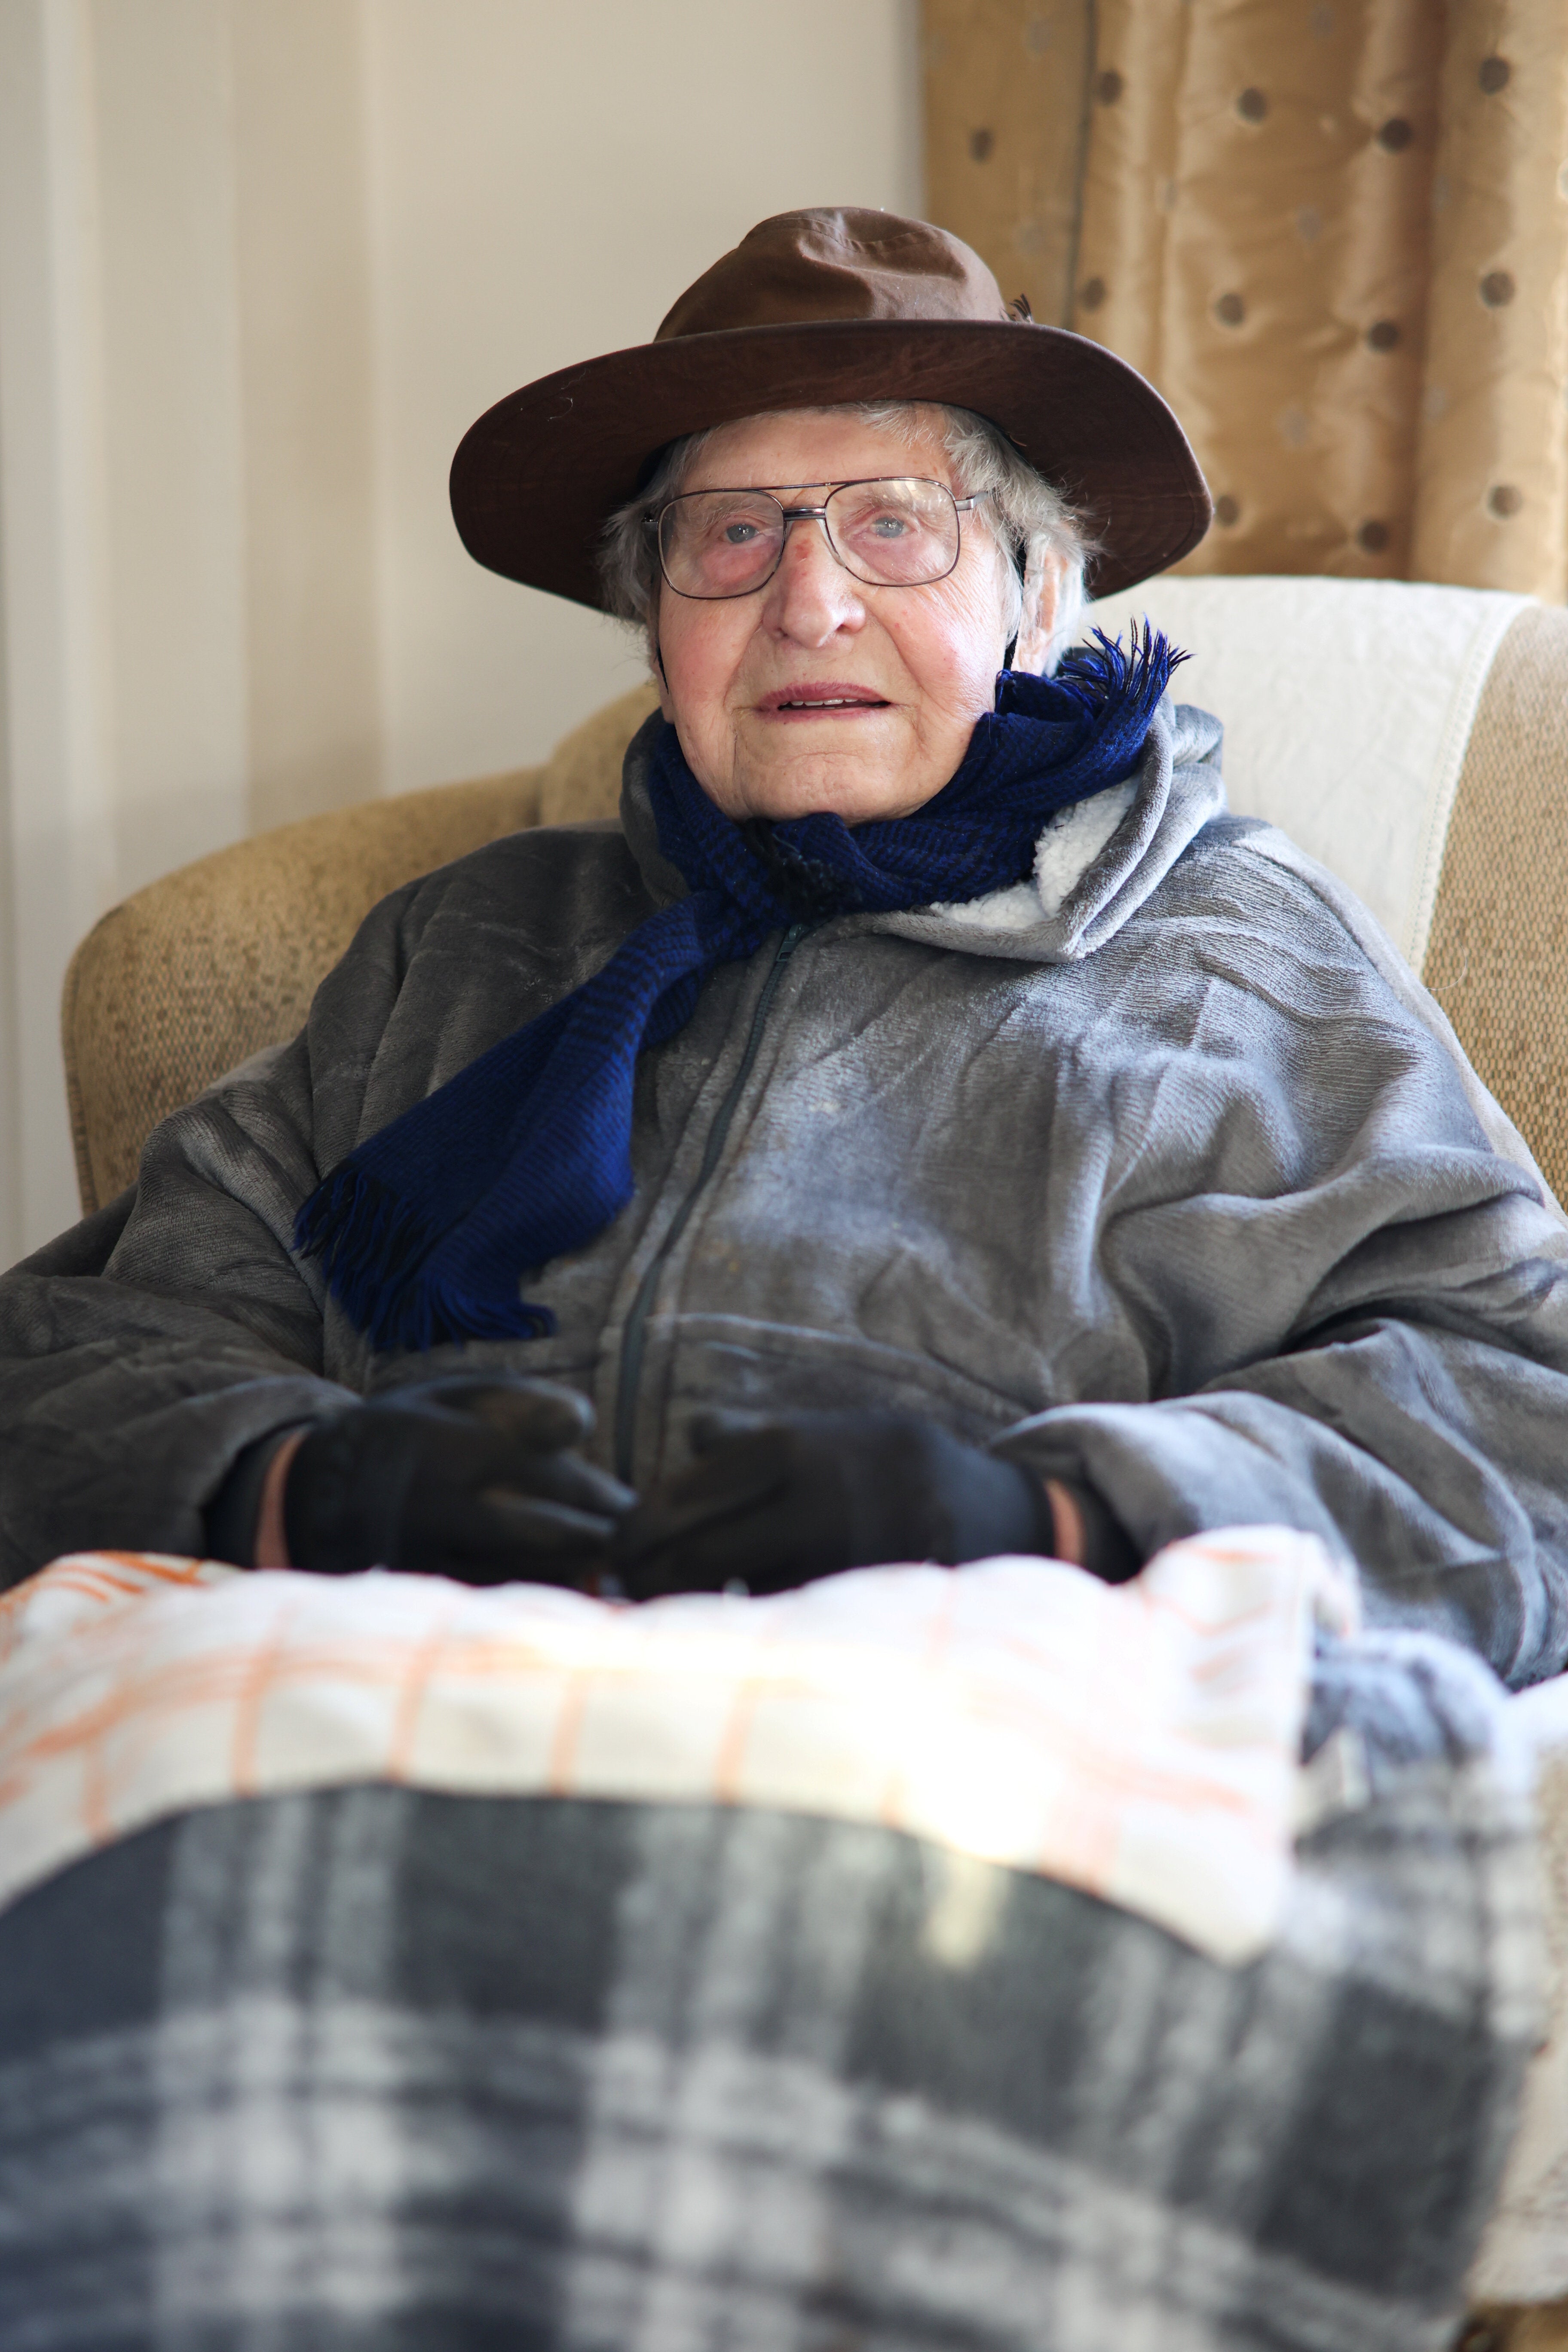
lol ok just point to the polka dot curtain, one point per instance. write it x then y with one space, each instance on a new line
1333 232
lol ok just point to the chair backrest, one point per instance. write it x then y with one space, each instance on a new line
1415 739
205 967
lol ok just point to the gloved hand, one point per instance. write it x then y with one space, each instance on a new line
471 1477
781 1501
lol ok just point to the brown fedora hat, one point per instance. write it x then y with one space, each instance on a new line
812 309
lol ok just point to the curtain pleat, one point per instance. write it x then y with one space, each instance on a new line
1335 235
1132 157
1491 503
1007 90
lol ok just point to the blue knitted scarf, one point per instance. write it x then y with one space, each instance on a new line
425 1232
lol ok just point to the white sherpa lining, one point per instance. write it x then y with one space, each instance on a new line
1068 844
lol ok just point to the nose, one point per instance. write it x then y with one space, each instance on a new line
810 597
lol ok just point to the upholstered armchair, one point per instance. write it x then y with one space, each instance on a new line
1415 739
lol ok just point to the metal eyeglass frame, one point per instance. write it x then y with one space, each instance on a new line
654 526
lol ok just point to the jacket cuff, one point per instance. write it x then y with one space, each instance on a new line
1109 1551
232 1514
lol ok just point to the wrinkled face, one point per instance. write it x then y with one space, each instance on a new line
817 691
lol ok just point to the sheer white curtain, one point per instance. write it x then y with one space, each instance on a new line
57 838
186 532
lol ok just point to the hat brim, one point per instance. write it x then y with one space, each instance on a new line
536 480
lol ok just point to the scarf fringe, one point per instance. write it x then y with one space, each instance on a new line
1107 681
372 1246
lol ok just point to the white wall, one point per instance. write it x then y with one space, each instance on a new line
261 263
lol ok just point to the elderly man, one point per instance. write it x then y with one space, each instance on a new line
927 1127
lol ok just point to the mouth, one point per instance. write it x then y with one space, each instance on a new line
811 698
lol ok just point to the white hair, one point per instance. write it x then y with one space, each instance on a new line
1031 523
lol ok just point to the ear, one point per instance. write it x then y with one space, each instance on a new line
655 668
1042 601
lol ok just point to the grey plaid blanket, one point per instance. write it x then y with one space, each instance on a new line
377 2068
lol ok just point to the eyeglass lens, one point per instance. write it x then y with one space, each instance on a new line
898 533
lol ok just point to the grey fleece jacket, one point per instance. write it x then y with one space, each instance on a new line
1159 1172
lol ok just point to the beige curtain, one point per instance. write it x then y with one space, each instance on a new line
1333 232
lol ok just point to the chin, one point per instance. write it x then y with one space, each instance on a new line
827 791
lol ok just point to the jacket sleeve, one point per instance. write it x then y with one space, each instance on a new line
1399 1273
1433 1460
143 1351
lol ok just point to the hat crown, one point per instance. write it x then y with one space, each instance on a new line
842 262
813 309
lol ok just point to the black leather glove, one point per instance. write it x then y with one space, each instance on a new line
476 1478
776 1503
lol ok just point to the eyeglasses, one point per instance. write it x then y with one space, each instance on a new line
897 532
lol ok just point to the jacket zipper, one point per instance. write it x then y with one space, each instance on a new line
635 1335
